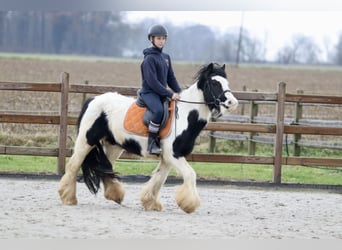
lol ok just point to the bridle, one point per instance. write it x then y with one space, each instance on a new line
217 102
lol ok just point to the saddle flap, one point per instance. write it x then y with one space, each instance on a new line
134 120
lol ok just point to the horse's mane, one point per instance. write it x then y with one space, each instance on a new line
205 71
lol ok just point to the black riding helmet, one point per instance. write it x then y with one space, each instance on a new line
157 30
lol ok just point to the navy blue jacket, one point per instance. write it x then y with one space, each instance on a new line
157 73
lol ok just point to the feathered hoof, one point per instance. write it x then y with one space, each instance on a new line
67 190
114 190
66 198
152 205
150 202
187 199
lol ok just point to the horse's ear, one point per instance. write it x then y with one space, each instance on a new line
210 67
223 67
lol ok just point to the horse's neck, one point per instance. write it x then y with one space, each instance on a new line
193 94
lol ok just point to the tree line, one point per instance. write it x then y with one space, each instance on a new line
107 34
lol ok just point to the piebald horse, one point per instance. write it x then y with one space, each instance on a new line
102 137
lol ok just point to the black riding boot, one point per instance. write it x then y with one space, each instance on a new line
153 146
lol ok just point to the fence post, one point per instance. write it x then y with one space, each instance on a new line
212 139
63 123
298 116
244 89
278 144
253 113
84 96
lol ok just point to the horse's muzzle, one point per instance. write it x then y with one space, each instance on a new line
231 104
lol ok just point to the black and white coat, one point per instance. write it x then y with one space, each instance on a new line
102 137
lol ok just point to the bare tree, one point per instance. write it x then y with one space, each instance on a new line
303 50
252 50
338 57
2 26
286 55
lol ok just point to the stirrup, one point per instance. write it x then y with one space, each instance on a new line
154 149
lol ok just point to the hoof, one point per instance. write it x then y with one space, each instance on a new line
67 190
152 205
150 202
188 201
118 198
66 198
114 190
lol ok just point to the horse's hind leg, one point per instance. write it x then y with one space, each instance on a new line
113 188
67 184
150 193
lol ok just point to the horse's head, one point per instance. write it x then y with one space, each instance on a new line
212 80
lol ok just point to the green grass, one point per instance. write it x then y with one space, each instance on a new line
213 171
28 164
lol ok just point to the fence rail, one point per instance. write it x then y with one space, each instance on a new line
297 119
279 128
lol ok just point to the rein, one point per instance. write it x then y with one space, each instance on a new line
217 101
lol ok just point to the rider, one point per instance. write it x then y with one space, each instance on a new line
157 74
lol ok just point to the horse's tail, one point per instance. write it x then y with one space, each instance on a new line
95 167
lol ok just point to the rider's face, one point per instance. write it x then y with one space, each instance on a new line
159 41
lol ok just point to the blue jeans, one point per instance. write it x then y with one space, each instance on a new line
155 104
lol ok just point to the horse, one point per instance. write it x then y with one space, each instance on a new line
101 138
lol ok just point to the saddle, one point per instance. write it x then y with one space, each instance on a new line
138 118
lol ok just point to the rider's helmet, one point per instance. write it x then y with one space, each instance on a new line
157 30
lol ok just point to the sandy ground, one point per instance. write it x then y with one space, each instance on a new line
31 209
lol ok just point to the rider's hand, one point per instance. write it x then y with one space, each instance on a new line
175 96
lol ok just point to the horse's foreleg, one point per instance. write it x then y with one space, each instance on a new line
113 188
67 184
187 196
149 197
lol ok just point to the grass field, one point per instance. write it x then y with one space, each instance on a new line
208 171
118 72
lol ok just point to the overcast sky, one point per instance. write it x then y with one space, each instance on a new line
275 28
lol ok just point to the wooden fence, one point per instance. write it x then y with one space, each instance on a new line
278 129
297 118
